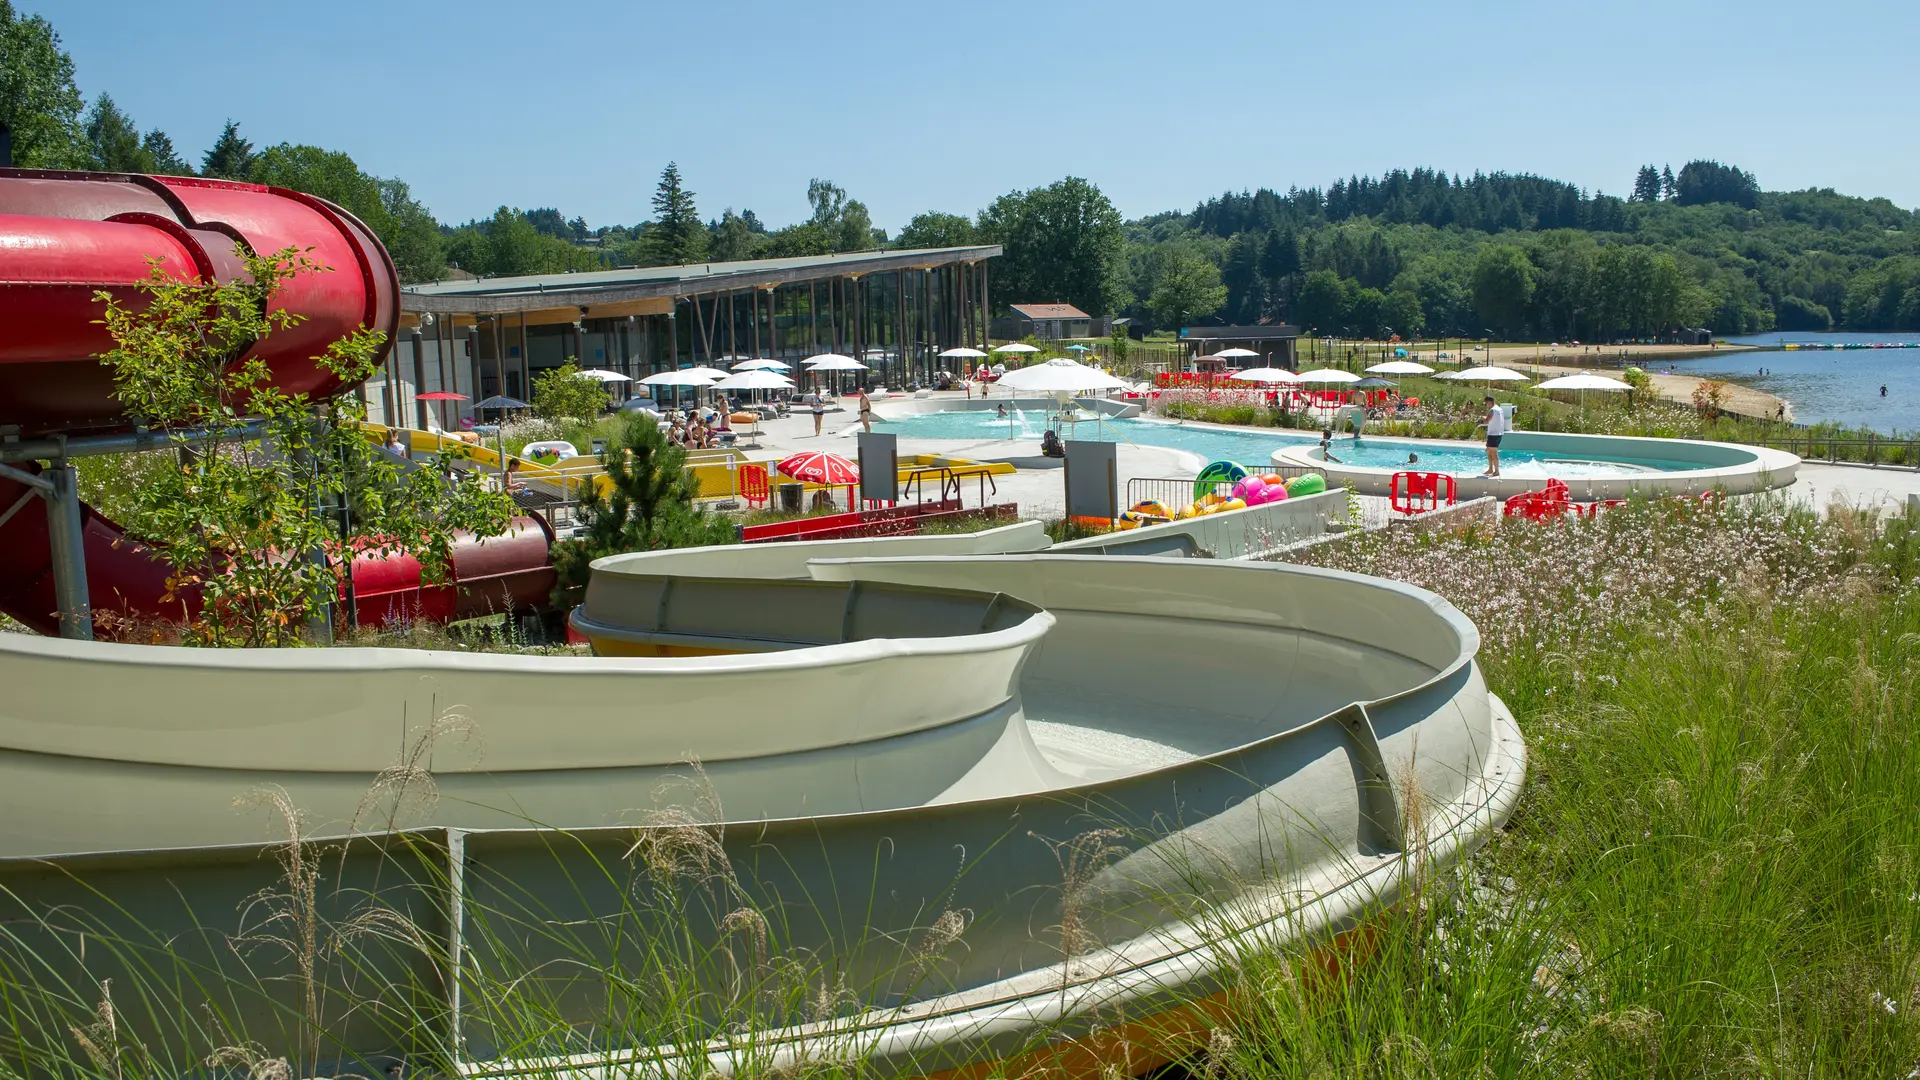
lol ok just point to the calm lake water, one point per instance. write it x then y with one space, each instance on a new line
1827 386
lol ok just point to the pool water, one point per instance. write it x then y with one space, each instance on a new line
1472 461
1255 450
1208 443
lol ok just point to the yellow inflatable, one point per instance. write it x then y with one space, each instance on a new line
1224 505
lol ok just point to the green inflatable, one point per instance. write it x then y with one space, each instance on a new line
1217 472
1309 484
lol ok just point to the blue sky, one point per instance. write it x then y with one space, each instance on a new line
579 103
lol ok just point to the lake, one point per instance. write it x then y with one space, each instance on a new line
1826 386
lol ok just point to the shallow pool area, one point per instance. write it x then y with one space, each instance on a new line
1255 448
1466 460
1208 443
1593 466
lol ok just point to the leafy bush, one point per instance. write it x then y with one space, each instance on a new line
648 504
565 394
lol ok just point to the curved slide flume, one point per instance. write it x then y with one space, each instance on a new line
1272 747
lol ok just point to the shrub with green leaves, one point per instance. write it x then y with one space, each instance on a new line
258 530
565 394
648 504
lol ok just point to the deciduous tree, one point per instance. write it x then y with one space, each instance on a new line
1064 243
39 103
240 523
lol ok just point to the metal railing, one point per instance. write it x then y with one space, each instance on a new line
1174 493
1871 450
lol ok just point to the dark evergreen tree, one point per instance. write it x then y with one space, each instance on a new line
1703 182
113 141
676 235
1646 185
1666 182
230 157
649 507
162 157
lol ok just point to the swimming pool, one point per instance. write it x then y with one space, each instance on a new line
1253 449
1211 444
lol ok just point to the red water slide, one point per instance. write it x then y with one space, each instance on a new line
67 236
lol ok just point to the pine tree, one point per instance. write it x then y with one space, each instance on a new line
162 157
113 142
1667 187
649 506
676 235
1646 185
231 157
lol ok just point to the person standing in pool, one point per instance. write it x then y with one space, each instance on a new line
1496 425
1883 389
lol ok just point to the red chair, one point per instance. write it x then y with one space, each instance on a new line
753 484
1419 492
1542 505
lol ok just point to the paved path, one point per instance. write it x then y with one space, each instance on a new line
1886 489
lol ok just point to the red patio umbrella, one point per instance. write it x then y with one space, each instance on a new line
441 395
818 467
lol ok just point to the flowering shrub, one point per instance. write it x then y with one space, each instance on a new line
1575 584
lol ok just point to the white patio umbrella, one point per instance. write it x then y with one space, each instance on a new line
1490 375
684 377
754 379
1399 367
833 362
1017 346
1328 376
760 364
1061 377
1584 382
604 375
963 353
1236 354
1266 375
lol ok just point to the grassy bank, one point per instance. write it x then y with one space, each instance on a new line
1714 869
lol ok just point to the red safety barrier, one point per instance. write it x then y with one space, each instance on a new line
891 521
1552 502
1420 492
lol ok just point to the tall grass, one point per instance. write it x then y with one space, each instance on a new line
1715 870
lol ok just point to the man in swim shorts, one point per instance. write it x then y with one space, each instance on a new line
1496 425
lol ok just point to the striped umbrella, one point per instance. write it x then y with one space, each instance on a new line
819 467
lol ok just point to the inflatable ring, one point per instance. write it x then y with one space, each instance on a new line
1217 472
1309 484
743 418
1225 505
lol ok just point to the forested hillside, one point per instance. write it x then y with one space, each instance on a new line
1524 256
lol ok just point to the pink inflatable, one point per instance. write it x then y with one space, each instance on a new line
1266 493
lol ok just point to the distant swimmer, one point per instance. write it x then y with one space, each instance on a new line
1883 389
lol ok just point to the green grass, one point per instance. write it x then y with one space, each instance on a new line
1714 869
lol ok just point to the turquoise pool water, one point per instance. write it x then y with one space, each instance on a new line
1255 449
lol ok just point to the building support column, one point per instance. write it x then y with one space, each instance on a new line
419 379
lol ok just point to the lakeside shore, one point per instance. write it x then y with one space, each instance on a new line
1739 398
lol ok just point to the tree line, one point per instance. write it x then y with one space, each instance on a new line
1414 251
